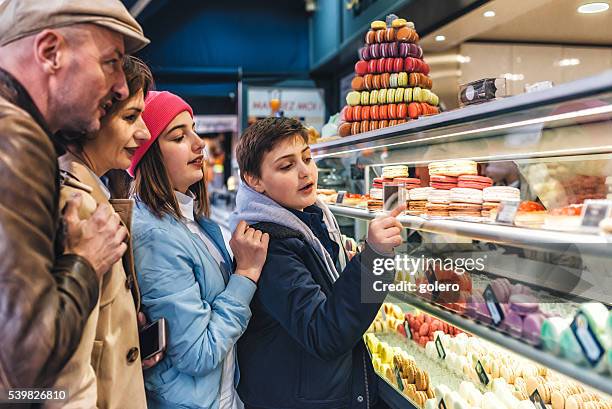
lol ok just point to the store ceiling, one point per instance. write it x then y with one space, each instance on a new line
531 21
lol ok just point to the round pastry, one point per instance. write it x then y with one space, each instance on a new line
399 95
464 209
353 98
393 80
524 304
460 195
375 81
393 49
357 112
406 34
393 111
380 36
439 196
408 95
606 225
399 23
367 82
390 95
442 182
365 126
384 112
378 25
344 129
375 112
357 83
355 127
365 113
382 96
402 80
389 62
402 111
393 122
398 64
373 125
409 64
414 110
500 193
361 67
384 50
373 97
365 97
370 37
376 51
372 66
385 80
474 181
422 380
390 35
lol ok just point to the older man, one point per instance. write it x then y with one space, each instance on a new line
60 69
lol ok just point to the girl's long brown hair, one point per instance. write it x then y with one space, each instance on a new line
152 186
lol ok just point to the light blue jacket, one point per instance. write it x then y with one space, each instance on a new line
180 281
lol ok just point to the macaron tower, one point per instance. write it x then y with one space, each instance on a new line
391 83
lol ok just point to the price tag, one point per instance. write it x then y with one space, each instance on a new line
407 329
587 339
398 377
594 211
442 405
507 211
537 400
340 197
440 348
482 375
497 314
390 196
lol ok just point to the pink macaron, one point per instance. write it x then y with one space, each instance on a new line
474 182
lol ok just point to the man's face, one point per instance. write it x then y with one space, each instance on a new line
90 77
288 174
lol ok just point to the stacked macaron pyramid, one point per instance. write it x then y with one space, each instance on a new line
391 84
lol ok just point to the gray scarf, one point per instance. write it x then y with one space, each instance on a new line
254 207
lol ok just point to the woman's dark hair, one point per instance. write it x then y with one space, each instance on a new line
152 186
138 77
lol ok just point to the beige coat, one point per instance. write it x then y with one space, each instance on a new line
111 335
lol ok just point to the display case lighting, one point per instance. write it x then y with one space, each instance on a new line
489 13
605 109
568 62
594 7
513 77
440 38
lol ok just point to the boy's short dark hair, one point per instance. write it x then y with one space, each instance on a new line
262 137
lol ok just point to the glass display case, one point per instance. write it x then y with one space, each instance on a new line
504 280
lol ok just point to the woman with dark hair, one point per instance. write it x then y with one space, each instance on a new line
105 371
184 270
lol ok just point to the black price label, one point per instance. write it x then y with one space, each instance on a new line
594 212
590 345
407 329
482 375
497 313
507 211
442 405
537 400
398 377
440 348
340 197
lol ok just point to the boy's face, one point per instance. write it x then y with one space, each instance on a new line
288 175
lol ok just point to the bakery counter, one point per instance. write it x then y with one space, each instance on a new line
583 374
522 237
457 369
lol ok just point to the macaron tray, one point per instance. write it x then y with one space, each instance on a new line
391 84
430 361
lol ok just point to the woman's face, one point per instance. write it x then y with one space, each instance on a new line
120 135
182 149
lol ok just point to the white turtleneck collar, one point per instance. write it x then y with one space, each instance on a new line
186 204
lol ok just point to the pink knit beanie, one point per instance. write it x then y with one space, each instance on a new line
160 109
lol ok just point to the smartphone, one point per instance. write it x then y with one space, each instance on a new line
153 339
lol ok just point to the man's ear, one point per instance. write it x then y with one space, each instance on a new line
49 47
254 183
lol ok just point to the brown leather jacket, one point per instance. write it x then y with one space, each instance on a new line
45 296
